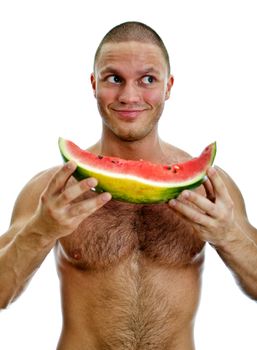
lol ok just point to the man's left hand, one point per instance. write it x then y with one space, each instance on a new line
213 214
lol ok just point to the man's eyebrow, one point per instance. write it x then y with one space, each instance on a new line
109 69
149 70
115 70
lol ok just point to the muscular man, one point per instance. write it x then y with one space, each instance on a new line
130 274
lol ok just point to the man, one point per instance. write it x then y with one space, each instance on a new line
130 274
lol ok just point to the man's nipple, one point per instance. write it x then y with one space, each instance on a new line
76 254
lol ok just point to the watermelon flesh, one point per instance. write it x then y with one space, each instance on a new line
138 181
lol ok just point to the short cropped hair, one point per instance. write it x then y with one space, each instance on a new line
133 31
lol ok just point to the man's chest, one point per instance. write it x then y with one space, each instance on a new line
118 230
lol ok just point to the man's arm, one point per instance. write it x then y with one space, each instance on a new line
44 211
221 219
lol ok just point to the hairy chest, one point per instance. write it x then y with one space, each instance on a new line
119 229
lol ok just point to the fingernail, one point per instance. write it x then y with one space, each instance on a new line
91 182
185 194
173 202
106 197
71 165
211 171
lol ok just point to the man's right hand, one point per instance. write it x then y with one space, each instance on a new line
58 214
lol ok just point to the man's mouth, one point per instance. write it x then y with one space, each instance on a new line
128 113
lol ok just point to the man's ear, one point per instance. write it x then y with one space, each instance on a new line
169 86
93 83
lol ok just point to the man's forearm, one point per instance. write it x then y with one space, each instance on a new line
240 255
19 260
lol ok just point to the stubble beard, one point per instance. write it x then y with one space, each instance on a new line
131 133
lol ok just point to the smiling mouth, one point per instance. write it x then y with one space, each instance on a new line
128 113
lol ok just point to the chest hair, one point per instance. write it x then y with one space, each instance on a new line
119 229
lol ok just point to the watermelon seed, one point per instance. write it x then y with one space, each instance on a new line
175 168
100 157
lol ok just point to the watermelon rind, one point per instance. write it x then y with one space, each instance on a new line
134 189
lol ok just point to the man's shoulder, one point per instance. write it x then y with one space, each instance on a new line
42 178
36 185
175 154
28 198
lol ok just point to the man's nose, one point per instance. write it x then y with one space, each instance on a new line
129 93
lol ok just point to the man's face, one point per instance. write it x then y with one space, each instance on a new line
131 84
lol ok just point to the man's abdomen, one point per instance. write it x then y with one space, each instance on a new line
136 305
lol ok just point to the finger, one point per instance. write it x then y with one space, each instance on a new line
89 206
209 190
74 191
60 178
201 202
191 213
219 187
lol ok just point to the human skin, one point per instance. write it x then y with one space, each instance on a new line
130 274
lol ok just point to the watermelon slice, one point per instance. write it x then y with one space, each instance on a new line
138 181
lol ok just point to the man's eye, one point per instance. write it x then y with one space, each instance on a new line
114 79
148 79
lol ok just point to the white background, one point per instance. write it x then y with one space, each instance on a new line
46 57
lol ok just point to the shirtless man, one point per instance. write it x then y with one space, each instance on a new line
130 274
